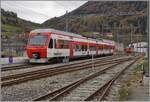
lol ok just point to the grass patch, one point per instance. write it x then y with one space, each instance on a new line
143 63
123 93
133 81
10 30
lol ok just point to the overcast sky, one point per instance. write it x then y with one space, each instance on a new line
40 11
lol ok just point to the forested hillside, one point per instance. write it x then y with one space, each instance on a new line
100 17
104 16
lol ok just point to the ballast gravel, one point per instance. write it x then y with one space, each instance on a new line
32 89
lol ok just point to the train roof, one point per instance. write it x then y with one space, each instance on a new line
71 34
55 31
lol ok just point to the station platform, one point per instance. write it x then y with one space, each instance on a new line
14 61
141 92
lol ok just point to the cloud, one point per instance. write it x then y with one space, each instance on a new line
39 11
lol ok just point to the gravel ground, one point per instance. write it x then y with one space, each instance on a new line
111 72
32 89
113 94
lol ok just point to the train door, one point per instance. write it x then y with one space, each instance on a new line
71 50
88 49
97 49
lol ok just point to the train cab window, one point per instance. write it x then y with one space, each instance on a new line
51 43
38 40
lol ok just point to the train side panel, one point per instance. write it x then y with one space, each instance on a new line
59 45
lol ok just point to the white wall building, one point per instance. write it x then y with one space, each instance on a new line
119 46
141 47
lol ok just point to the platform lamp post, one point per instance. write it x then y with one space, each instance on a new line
10 52
131 40
66 17
93 55
148 45
92 62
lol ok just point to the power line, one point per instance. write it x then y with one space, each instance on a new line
67 20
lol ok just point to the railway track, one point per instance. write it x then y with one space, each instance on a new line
32 75
59 94
10 68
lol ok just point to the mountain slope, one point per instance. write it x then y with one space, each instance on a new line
110 7
103 16
94 16
13 25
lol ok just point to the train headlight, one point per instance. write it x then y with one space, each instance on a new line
36 55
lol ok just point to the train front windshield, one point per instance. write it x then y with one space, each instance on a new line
38 40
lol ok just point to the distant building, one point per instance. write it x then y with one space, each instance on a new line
12 47
140 47
108 34
119 47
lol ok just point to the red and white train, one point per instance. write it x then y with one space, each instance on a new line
45 44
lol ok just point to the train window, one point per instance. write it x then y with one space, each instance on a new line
92 48
85 48
82 47
54 43
64 44
78 48
51 43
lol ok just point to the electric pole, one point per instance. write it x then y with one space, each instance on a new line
115 28
66 21
131 33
